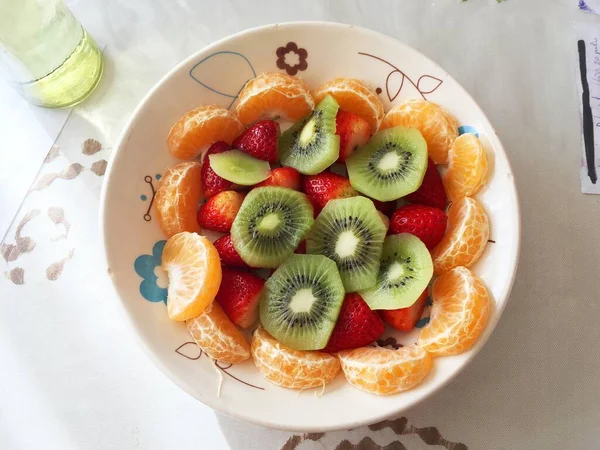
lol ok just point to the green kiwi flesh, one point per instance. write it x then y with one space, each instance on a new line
391 165
239 167
350 232
270 224
301 301
311 145
404 273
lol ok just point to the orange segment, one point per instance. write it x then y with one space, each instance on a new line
194 269
467 167
437 125
177 197
294 369
201 127
466 236
354 96
460 311
218 337
384 371
272 95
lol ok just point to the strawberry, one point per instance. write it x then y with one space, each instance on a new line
354 132
425 222
326 186
283 176
218 212
301 249
229 256
386 208
405 319
356 326
260 140
431 192
238 296
211 182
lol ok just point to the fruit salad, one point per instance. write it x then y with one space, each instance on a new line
328 232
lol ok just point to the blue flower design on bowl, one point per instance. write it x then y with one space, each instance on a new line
153 286
467 129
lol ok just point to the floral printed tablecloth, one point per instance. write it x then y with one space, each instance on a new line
72 374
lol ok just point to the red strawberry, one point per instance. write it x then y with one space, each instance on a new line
425 222
229 256
326 186
356 325
431 192
283 176
219 211
260 140
301 248
238 296
354 132
405 319
386 208
211 182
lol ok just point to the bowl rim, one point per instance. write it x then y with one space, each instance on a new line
133 328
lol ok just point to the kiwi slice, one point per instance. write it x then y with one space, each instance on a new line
300 303
391 165
405 271
270 224
239 167
350 232
311 145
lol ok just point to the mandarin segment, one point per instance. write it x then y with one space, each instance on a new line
196 130
177 197
460 311
218 337
194 269
272 95
294 369
384 371
467 167
466 236
353 96
438 126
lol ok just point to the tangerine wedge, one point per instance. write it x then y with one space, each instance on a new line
201 127
194 269
461 307
218 337
467 167
384 371
294 369
354 96
466 236
273 95
438 126
177 197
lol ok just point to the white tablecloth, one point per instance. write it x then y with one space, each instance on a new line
72 376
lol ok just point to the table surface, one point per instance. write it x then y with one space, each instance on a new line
73 375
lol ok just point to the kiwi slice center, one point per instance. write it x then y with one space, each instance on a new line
346 244
269 222
388 162
397 273
302 301
308 132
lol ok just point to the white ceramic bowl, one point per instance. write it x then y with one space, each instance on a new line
316 51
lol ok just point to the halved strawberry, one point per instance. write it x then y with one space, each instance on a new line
431 192
260 140
211 182
354 132
425 222
326 186
405 319
356 326
229 256
239 295
219 211
283 176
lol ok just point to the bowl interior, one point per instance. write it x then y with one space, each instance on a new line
316 52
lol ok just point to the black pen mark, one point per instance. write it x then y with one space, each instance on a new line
588 122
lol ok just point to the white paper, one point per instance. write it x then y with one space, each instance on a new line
588 57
